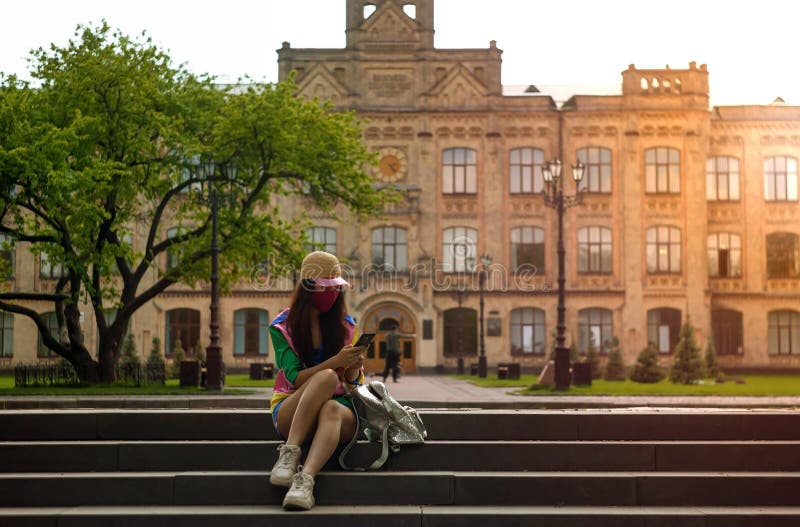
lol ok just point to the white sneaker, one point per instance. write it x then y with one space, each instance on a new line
286 466
301 495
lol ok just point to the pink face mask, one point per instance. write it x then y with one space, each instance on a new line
324 300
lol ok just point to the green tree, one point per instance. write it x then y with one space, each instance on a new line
129 356
646 368
712 366
112 141
593 358
178 355
615 367
687 366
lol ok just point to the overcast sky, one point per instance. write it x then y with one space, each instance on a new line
750 47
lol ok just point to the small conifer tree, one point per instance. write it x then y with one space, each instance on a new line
647 368
615 367
178 355
593 358
199 352
155 368
712 366
129 357
687 367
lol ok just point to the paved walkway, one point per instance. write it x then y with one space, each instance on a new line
421 390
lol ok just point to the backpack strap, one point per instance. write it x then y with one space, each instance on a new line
342 462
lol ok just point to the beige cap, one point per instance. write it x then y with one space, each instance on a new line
323 268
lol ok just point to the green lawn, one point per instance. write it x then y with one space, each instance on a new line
763 385
234 385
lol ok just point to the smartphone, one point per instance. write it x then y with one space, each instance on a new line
364 339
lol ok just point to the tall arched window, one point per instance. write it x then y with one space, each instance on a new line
459 249
48 269
663 326
52 324
594 250
662 170
321 239
597 169
389 248
460 332
182 324
527 331
784 332
6 335
525 170
724 255
727 329
594 329
250 330
663 246
783 255
459 171
780 178
527 248
722 179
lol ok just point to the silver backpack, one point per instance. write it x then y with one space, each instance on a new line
381 418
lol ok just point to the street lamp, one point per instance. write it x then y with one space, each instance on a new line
555 198
214 364
486 261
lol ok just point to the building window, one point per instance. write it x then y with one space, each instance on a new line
321 239
724 255
389 248
663 326
460 332
459 171
726 326
459 249
722 179
174 254
182 325
250 330
6 335
51 321
48 270
527 331
527 248
780 179
783 255
594 329
594 250
663 250
784 333
597 169
8 256
662 169
525 168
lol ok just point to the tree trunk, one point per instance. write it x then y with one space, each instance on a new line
110 346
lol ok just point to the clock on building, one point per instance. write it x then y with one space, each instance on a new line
392 165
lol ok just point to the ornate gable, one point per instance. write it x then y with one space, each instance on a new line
320 83
458 88
389 26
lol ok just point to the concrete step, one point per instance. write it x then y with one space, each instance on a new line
110 456
407 488
401 516
499 425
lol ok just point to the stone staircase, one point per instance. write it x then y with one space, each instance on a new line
637 467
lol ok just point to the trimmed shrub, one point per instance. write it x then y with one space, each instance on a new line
712 366
647 368
615 367
687 366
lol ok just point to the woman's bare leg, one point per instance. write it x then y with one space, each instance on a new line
298 413
335 424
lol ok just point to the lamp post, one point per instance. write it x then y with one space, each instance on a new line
555 198
486 261
214 364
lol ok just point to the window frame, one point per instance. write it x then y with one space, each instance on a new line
668 316
586 247
538 331
6 335
526 172
383 244
51 320
191 325
659 244
719 176
779 330
449 261
325 244
593 317
47 271
243 328
455 170
655 164
794 264
598 169
734 254
534 233
771 175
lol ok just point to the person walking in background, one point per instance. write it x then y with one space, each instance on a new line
314 358
392 354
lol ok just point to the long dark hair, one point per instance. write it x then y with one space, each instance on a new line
332 324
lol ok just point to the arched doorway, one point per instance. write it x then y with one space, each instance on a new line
379 320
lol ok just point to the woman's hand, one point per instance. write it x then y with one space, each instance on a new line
351 357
